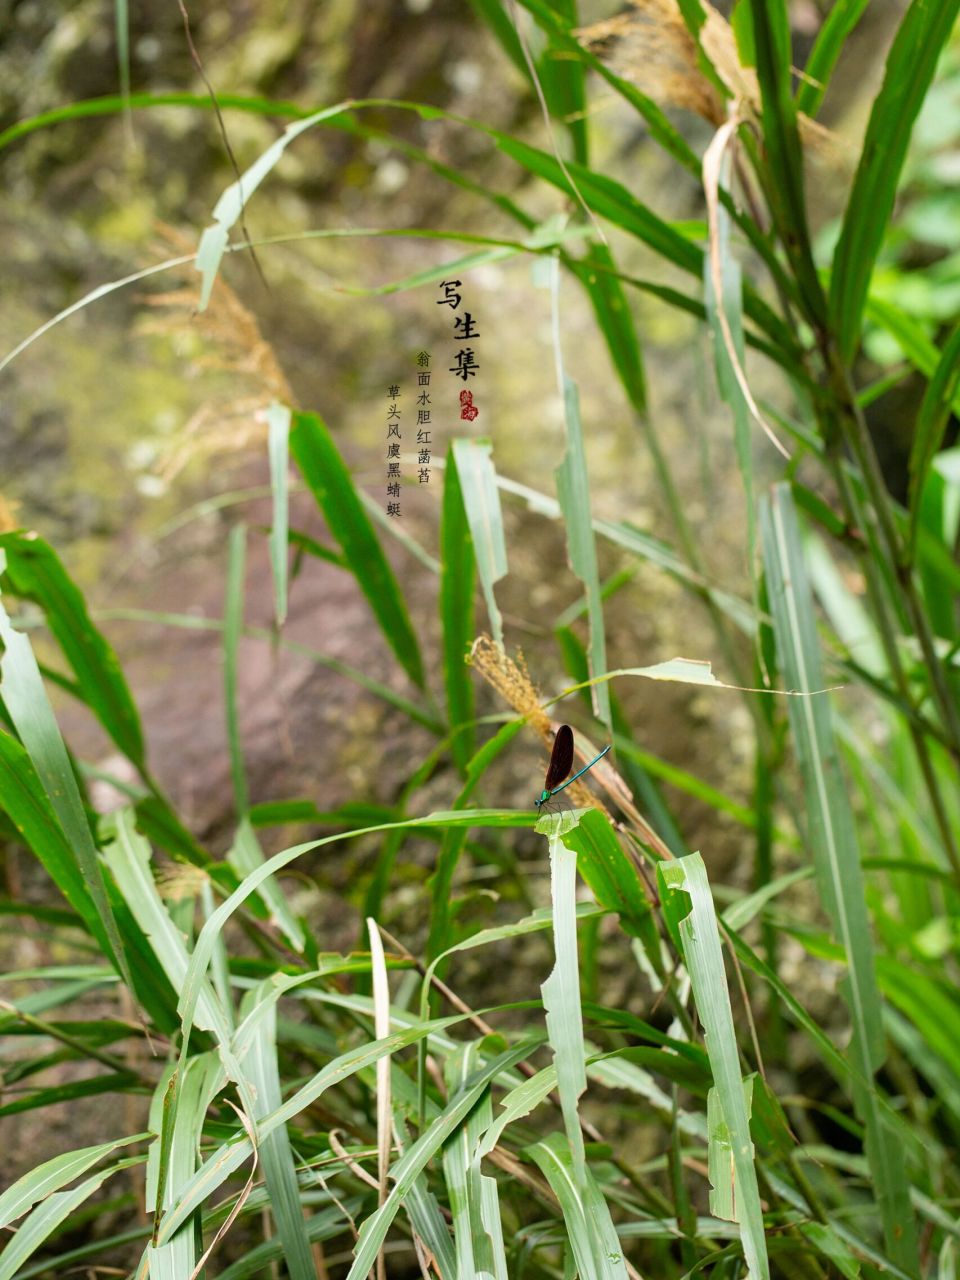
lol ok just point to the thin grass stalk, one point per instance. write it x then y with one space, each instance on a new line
892 653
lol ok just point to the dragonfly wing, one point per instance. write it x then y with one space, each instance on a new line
561 758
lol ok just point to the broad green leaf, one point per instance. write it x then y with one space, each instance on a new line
562 84
114 1083
478 488
911 63
332 486
498 20
832 835
665 133
909 333
704 961
608 199
34 572
457 578
931 1006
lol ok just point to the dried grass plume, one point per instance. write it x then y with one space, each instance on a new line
235 346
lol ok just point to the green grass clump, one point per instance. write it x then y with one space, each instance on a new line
347 1112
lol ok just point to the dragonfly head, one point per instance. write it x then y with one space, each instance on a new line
544 797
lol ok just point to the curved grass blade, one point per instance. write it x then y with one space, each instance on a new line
53 1174
128 857
49 1214
245 856
331 484
229 208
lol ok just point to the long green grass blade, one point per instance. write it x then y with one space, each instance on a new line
704 960
561 990
832 834
278 446
28 707
332 486
939 401
24 799
457 578
573 492
180 1130
276 1154
597 1253
232 631
34 572
409 1167
245 856
832 36
478 487
461 1171
47 1217
128 857
783 152
911 62
728 384
229 208
612 311
51 1175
